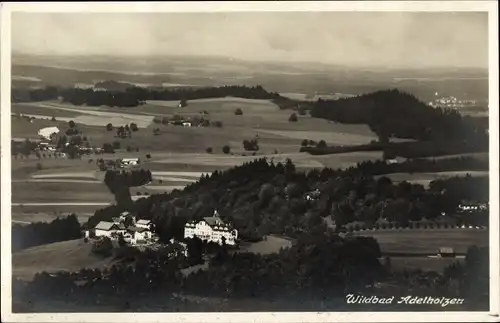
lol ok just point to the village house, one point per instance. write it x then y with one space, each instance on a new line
109 229
130 161
211 229
446 252
48 132
143 223
138 234
472 207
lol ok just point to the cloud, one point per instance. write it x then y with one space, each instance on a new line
351 38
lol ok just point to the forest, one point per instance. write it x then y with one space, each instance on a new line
262 197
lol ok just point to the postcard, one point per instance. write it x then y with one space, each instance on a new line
250 161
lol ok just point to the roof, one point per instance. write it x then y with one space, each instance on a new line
106 226
143 221
213 220
48 131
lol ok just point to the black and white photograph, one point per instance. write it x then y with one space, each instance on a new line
211 161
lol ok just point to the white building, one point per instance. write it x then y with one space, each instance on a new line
130 161
143 223
211 229
109 229
186 124
48 132
138 234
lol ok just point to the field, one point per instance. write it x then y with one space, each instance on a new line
425 178
427 240
270 244
67 255
177 155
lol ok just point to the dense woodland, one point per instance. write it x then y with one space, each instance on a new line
318 269
134 96
395 114
262 197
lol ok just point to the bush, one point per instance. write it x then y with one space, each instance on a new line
148 156
53 119
322 144
209 150
238 112
305 143
133 127
109 127
293 118
71 124
226 149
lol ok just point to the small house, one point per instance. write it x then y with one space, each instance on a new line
143 223
138 234
446 252
109 229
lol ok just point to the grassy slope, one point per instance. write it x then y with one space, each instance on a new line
67 255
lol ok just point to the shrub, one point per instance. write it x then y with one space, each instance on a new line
321 144
226 149
293 118
133 127
109 127
53 119
209 150
305 143
148 156
238 112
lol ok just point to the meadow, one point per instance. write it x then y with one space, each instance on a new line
69 255
426 241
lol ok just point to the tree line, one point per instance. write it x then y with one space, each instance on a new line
134 96
38 233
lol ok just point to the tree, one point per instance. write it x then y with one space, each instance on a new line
305 143
133 127
148 156
183 103
293 118
109 127
226 149
321 144
209 150
238 112
71 124
53 119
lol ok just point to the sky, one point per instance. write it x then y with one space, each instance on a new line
396 39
